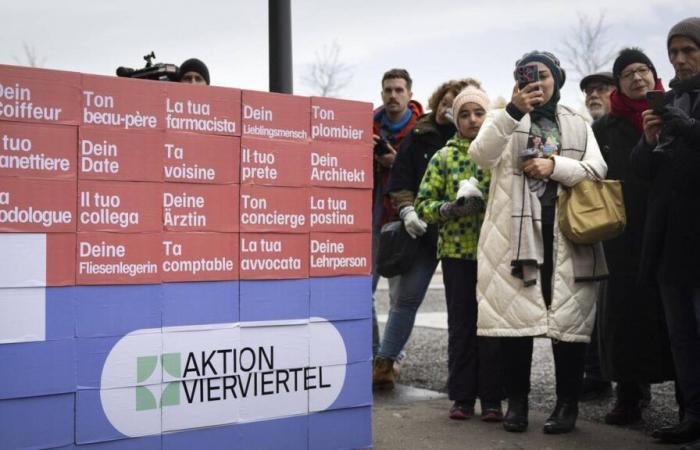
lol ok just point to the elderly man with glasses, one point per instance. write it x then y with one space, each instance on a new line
597 87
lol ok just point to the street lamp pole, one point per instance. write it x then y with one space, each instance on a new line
280 32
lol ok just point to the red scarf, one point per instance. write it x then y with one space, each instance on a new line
623 106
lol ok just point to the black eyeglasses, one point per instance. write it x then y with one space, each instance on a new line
642 72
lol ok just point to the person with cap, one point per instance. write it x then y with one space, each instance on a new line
597 87
669 156
452 195
532 280
634 345
430 133
194 71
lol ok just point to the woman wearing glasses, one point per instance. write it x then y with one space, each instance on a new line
634 347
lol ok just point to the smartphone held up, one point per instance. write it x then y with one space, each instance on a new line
527 74
656 100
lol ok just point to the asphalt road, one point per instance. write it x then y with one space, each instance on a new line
426 367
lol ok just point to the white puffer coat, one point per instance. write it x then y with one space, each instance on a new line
506 306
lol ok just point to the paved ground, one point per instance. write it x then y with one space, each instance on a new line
416 420
418 424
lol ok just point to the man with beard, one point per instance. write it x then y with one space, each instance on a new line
597 87
392 122
669 155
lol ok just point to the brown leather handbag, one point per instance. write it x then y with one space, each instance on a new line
592 211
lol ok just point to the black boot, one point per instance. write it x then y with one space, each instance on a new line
692 446
563 418
516 417
686 431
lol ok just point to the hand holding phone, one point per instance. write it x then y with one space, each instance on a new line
527 74
381 147
656 100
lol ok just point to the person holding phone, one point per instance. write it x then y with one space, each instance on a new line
391 123
532 280
443 199
634 346
669 157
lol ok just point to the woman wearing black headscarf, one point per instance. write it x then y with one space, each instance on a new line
533 281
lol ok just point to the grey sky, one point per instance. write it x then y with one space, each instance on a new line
435 40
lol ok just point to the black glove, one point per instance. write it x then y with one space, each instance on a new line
676 121
461 208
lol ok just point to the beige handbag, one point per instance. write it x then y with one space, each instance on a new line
592 211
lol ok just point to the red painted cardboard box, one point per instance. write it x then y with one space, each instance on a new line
38 151
340 210
271 256
341 165
274 209
43 206
60 259
200 207
200 256
37 259
120 155
118 258
274 162
123 207
39 95
202 109
276 116
341 120
197 158
334 254
123 103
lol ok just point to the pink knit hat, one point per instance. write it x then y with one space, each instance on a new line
470 94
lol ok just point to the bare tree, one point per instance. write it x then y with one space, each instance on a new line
30 57
328 75
587 50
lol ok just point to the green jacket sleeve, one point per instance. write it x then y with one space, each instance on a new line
431 191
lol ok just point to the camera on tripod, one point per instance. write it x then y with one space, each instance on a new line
158 71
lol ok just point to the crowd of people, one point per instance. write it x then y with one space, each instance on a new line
479 188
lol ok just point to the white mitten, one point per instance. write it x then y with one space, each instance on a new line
414 226
468 188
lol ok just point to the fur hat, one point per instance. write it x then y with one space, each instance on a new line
470 94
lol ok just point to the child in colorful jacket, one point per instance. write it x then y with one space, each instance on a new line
443 199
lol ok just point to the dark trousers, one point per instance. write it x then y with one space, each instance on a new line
569 357
568 366
592 369
682 307
473 363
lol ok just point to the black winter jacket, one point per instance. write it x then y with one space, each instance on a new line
671 246
426 138
631 327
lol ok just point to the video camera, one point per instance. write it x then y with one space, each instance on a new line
158 71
